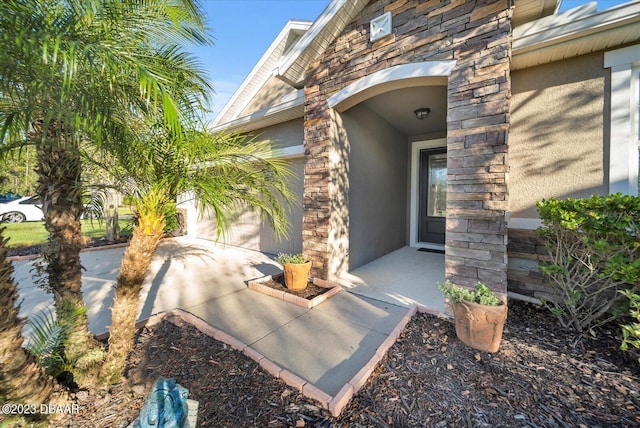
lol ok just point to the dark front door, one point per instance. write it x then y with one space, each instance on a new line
433 195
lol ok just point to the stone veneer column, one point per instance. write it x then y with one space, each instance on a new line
316 203
477 34
477 168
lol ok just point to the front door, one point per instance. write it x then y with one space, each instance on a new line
433 195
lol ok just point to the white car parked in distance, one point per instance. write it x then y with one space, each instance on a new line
23 209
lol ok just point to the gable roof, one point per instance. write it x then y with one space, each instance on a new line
339 13
263 70
540 36
322 33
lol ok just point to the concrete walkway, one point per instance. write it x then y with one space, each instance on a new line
326 346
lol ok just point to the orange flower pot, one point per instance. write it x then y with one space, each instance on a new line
296 275
480 326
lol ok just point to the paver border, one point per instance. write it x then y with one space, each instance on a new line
256 285
334 404
84 250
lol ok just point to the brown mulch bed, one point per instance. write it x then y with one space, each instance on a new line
277 283
541 377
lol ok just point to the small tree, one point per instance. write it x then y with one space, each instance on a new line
22 380
81 72
223 173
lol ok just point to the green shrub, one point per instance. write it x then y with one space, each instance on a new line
594 248
631 332
284 258
480 294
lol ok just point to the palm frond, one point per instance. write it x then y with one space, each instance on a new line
48 337
46 334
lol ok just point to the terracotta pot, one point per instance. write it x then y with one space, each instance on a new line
480 326
296 275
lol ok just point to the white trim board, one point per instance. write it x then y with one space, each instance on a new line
290 152
425 73
623 149
414 204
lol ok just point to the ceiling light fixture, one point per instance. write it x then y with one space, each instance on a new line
422 113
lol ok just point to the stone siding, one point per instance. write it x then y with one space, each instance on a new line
477 35
526 251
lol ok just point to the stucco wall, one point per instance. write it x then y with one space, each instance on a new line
377 185
285 134
556 140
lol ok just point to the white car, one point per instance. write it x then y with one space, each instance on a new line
23 209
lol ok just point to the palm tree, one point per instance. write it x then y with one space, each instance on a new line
223 173
82 72
22 380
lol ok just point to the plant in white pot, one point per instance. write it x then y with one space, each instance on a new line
479 315
296 270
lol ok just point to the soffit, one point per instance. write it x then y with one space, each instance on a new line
530 10
576 32
289 109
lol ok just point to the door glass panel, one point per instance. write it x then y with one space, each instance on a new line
437 192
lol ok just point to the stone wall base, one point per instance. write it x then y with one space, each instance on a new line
526 251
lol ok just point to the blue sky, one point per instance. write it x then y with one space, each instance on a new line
244 29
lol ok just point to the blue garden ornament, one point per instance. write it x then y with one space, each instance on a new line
164 407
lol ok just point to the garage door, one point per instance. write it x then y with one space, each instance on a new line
247 231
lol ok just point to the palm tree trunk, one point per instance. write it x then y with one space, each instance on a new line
126 304
60 192
22 380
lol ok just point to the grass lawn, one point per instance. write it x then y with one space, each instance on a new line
33 232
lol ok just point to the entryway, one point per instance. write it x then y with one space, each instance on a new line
403 277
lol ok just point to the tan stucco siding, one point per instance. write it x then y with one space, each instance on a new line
557 139
269 95
282 135
377 185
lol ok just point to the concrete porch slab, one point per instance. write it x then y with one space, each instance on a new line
246 315
403 277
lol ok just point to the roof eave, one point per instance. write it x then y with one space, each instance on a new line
324 30
531 10
279 113
575 33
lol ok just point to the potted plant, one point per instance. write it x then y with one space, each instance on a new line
479 315
296 270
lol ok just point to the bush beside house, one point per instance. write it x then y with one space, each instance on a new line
594 250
